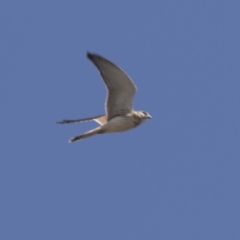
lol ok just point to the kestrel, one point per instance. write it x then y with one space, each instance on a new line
119 115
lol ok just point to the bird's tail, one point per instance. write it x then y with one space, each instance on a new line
86 134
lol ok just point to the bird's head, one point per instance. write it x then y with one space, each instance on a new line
144 115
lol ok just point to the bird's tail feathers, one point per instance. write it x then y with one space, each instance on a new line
86 134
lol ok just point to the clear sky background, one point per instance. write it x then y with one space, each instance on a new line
174 177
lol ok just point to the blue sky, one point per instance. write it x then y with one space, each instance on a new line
174 177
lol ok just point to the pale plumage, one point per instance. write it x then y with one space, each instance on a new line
120 115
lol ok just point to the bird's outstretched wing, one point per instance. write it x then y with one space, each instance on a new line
121 88
101 119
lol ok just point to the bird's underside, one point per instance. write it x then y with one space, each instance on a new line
120 115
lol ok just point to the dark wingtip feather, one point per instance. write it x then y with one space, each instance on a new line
65 121
90 55
74 139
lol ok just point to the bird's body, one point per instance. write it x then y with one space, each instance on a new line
120 115
122 123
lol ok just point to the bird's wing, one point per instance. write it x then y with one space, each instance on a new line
100 119
121 88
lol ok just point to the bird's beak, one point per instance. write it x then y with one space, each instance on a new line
149 117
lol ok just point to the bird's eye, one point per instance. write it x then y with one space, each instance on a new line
145 113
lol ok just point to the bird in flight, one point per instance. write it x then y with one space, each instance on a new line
119 115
